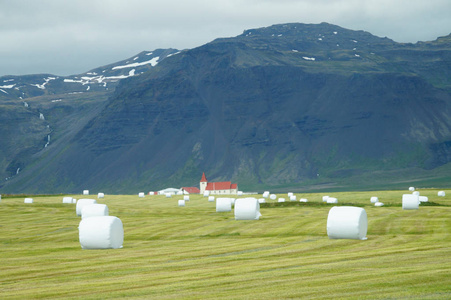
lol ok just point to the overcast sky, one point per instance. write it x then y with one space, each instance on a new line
65 37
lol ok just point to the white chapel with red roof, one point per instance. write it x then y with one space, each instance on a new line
223 187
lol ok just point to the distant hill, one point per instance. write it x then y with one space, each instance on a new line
304 106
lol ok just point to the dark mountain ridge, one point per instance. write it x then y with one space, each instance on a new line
287 105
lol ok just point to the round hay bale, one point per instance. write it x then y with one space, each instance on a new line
332 200
290 194
374 199
239 193
261 200
281 200
74 201
325 198
272 197
416 193
168 195
378 204
411 189
68 200
28 200
303 200
347 222
441 194
85 192
105 232
292 198
186 198
265 194
211 198
410 201
206 193
223 204
100 195
83 202
247 209
141 194
181 202
94 210
423 199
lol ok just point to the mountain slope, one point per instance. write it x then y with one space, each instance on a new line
291 104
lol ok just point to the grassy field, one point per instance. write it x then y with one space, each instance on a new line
192 252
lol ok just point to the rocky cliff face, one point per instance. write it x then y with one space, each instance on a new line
289 104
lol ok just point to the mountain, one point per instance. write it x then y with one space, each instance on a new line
292 105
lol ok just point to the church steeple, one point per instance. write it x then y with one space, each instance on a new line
203 183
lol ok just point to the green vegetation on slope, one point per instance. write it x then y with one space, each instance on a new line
193 252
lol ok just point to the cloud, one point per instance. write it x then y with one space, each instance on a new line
70 37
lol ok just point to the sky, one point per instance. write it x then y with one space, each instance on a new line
68 37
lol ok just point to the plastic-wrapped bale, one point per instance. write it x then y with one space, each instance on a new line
423 199
239 193
85 192
416 193
28 200
68 200
374 199
292 198
141 195
410 201
100 195
83 202
347 222
206 193
247 209
211 198
168 195
303 200
94 210
223 204
181 202
411 189
378 204
186 198
441 194
106 232
74 201
265 194
281 200
290 194
325 198
272 197
261 200
332 200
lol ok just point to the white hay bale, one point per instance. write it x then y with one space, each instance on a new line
105 232
100 195
211 198
141 194
416 193
247 209
423 199
83 202
223 204
290 194
281 200
265 194
374 199
67 200
206 193
411 189
74 201
347 222
441 194
186 198
261 200
181 202
325 198
168 195
28 200
272 197
239 193
94 210
303 200
292 198
85 192
332 200
378 204
410 201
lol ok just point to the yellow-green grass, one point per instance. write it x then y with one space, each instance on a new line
192 252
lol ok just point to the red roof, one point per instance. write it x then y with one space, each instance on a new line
203 179
191 190
214 186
